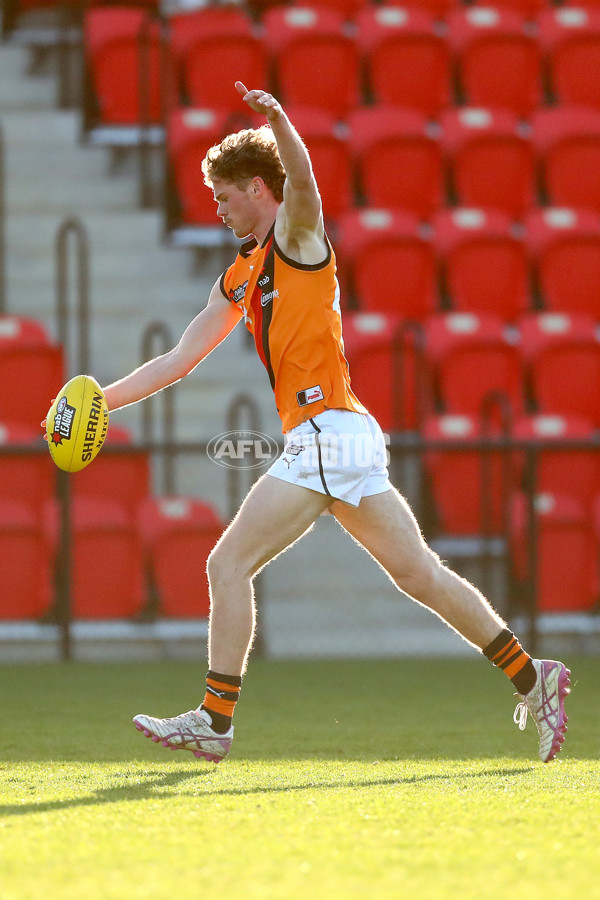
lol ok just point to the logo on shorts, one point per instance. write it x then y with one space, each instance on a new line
63 421
242 449
310 395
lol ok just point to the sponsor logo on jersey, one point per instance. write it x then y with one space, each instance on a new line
268 297
237 295
310 395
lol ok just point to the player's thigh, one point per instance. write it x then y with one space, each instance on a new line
274 514
385 526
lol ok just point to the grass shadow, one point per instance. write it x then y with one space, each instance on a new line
148 789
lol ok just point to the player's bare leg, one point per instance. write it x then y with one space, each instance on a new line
386 527
272 517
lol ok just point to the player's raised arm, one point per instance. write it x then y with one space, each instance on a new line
301 209
202 335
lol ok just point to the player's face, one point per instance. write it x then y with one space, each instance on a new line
235 206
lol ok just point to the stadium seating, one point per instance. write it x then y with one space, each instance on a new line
26 562
27 478
190 133
120 474
564 247
567 141
346 8
566 558
570 39
178 534
387 263
385 140
201 40
485 266
473 356
526 8
406 59
107 570
497 58
315 61
567 471
470 493
561 353
31 371
125 66
480 141
385 368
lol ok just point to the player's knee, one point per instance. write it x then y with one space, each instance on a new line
422 579
223 564
216 566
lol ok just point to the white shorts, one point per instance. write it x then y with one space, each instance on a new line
339 453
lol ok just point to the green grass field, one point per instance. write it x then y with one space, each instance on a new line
367 779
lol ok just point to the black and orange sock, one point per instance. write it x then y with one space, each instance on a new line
222 693
506 652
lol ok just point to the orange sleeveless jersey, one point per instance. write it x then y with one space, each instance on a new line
293 312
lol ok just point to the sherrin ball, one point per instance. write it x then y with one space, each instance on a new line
77 423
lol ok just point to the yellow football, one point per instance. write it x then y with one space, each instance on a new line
77 423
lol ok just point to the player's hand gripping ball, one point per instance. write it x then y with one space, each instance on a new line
77 423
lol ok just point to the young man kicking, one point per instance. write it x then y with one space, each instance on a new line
283 285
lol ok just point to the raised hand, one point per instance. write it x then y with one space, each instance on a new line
260 101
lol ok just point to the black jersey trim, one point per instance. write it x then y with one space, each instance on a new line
247 247
321 471
304 267
222 286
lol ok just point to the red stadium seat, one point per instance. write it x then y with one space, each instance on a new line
526 8
478 142
31 371
371 244
406 59
346 8
566 559
384 368
330 157
315 60
114 38
437 8
26 477
178 535
567 471
473 356
567 140
107 573
190 133
27 562
570 38
564 245
120 474
589 4
498 59
201 40
484 262
562 355
385 140
457 478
